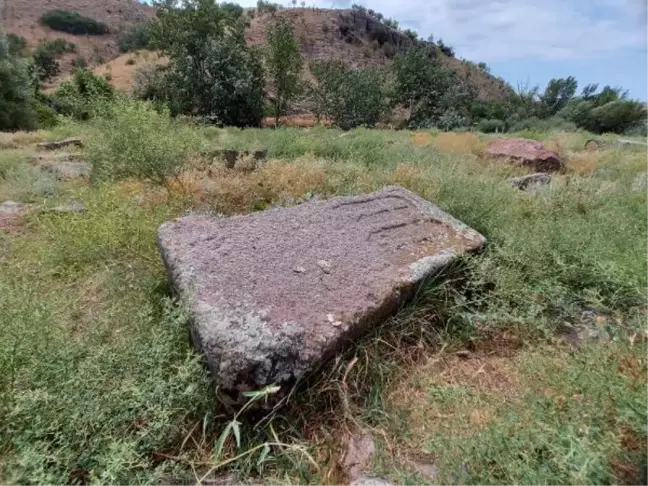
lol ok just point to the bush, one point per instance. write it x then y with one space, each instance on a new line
17 45
491 126
78 97
72 23
46 115
537 124
134 37
351 98
46 54
16 110
79 62
136 140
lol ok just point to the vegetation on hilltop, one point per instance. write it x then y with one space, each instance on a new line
72 23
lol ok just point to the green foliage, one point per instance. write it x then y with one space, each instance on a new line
46 54
46 115
133 139
266 6
430 90
213 73
606 112
491 125
17 45
78 97
543 125
351 98
557 94
133 37
16 108
80 62
446 49
72 23
284 65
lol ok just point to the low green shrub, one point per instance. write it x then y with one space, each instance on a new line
133 139
76 98
491 126
134 37
72 23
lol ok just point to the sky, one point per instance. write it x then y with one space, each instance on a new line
528 42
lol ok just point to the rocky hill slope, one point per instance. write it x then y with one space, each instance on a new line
356 38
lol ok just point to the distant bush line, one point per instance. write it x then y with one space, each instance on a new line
72 23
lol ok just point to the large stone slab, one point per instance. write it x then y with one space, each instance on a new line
273 294
526 153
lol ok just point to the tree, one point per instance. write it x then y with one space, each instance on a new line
16 103
284 63
46 64
212 71
424 86
557 94
351 98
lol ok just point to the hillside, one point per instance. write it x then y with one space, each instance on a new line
354 37
22 18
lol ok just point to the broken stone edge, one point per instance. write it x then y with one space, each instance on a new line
294 372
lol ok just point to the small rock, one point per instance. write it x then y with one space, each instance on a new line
370 481
70 207
324 265
640 182
525 153
60 144
67 170
62 157
360 450
299 270
524 182
11 207
428 471
591 327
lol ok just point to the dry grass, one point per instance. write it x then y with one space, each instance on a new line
459 143
21 139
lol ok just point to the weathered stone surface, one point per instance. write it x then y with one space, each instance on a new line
12 207
524 152
640 182
70 207
60 157
258 320
67 170
524 182
370 481
67 142
11 214
359 452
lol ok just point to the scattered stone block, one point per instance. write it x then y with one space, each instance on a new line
263 309
67 142
70 207
640 182
524 182
370 481
67 170
12 207
359 452
61 157
525 153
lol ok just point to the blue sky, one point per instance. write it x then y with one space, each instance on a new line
529 42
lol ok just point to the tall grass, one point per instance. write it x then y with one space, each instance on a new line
98 381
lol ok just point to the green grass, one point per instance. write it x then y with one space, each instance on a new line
99 383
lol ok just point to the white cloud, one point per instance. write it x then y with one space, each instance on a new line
491 30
